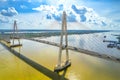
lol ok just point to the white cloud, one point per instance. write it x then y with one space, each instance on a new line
78 15
23 6
38 21
6 22
3 19
75 13
47 8
10 12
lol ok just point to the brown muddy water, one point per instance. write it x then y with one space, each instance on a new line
83 67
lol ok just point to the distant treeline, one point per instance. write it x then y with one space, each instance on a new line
48 33
38 31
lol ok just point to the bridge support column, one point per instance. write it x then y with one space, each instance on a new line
61 66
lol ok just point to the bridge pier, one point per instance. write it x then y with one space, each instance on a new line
61 66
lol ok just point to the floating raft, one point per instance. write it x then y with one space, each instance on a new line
110 41
111 45
62 67
15 45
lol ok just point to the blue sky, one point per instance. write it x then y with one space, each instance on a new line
43 14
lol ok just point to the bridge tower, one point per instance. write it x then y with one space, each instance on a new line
61 66
15 36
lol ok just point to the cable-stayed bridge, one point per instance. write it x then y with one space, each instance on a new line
65 41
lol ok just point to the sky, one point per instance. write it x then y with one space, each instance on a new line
46 14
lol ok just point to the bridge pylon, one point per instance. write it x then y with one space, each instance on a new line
61 66
15 36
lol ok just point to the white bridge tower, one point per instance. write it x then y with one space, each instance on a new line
15 36
61 66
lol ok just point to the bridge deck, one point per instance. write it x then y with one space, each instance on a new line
6 40
92 53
